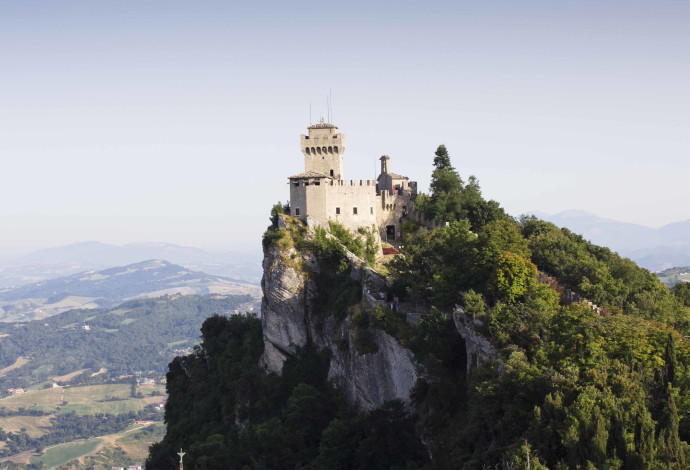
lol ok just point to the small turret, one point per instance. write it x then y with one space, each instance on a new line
384 164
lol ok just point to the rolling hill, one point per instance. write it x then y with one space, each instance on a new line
109 287
95 346
65 260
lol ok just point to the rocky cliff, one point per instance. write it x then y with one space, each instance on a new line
293 316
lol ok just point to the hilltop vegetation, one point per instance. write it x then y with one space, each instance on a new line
572 387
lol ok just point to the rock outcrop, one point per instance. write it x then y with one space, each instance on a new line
477 347
292 318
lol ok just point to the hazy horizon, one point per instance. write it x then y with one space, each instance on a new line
174 122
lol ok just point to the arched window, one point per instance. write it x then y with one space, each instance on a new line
324 150
335 149
330 149
313 151
307 150
318 150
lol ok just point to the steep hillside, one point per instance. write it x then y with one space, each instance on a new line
490 343
110 287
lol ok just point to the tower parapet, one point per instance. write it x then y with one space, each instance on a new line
323 150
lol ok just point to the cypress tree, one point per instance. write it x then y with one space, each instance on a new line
671 359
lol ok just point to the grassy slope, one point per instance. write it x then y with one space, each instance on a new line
17 364
60 454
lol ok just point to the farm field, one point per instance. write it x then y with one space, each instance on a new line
35 426
58 455
129 446
90 399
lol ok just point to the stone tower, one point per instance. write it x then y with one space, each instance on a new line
323 150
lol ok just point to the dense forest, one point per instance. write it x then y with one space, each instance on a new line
139 335
572 387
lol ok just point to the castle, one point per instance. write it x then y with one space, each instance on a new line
321 193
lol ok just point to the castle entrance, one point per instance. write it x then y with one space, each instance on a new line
390 232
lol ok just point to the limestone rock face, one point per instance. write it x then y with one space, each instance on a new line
291 319
372 379
477 347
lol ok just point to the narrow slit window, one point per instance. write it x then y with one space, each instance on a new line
337 211
296 210
354 211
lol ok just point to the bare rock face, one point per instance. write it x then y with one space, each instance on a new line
372 379
291 319
477 347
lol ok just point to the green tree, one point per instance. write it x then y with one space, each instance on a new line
446 188
512 277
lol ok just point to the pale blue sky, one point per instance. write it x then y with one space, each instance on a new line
174 121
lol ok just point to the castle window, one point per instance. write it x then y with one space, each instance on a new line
354 211
337 211
335 149
371 210
318 150
325 150
331 173
330 149
308 151
297 211
317 183
313 151
296 183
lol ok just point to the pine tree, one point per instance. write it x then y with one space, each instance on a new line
442 159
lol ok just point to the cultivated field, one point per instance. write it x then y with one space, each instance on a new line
91 399
35 426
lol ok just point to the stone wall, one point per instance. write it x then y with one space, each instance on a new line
336 200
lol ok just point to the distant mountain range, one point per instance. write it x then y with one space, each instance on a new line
70 259
656 249
109 287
